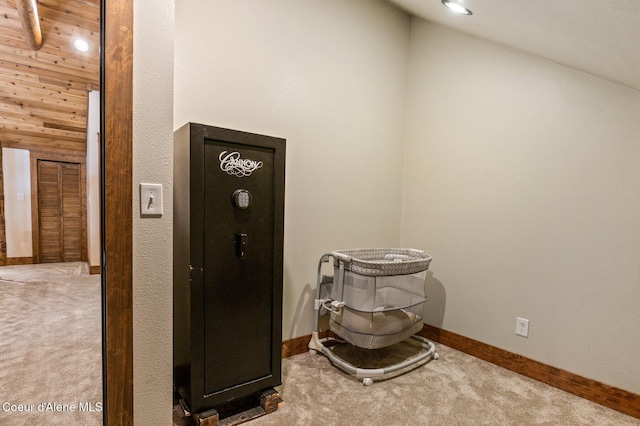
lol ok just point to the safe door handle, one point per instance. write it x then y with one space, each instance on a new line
241 245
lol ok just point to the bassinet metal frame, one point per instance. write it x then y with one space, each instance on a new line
359 265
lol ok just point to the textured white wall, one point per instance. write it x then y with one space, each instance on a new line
152 237
521 179
328 76
16 169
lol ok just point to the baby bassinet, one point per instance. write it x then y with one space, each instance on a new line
374 299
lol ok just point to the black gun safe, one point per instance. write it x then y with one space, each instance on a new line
228 264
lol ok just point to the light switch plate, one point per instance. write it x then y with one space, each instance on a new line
150 200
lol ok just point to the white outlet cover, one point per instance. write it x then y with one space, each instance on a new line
150 200
522 327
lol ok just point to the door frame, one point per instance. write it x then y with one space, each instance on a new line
117 208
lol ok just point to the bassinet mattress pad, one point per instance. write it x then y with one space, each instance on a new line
378 323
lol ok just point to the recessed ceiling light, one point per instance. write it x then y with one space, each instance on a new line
456 7
81 45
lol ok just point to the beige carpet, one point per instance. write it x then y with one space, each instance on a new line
457 389
50 344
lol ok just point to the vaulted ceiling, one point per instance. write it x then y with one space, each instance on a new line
44 93
601 37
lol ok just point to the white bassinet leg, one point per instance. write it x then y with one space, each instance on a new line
315 343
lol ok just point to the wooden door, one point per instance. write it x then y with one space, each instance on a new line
59 211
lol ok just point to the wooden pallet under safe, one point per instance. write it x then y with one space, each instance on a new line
233 413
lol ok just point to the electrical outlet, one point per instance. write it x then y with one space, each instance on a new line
522 327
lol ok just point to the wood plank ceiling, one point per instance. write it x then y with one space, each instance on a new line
44 93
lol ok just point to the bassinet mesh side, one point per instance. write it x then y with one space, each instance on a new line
383 294
383 261
373 341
